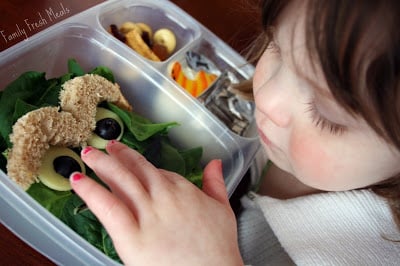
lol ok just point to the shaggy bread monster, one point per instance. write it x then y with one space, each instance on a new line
69 125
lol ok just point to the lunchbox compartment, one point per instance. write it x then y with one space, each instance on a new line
184 28
204 73
202 56
151 92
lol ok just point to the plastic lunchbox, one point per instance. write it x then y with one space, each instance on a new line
148 87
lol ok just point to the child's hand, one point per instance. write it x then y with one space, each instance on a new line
156 217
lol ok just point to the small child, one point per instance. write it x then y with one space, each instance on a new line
327 94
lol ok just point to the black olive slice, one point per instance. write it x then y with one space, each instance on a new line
65 165
108 127
57 165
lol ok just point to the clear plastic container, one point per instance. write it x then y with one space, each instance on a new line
146 85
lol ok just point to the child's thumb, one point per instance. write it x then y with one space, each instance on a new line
213 182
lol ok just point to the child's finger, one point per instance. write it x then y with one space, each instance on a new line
110 210
213 182
146 172
122 182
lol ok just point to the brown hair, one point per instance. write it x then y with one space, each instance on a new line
357 44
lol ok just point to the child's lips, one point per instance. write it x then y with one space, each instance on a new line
264 138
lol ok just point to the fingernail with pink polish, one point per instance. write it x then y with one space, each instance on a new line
86 150
75 177
112 142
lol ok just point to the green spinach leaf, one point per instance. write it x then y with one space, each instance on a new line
79 218
52 200
82 220
20 109
142 128
51 96
27 87
3 158
130 140
108 246
75 68
105 72
168 157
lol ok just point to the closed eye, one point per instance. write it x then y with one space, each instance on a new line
322 123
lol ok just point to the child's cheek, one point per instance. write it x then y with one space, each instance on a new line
310 161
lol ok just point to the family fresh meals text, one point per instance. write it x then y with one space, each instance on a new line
28 26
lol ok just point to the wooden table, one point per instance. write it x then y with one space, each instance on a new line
235 23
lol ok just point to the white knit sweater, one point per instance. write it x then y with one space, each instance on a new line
335 228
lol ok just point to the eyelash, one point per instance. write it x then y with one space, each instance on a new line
323 123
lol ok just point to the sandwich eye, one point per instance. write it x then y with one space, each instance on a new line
57 165
108 127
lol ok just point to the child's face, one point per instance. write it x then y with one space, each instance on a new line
304 131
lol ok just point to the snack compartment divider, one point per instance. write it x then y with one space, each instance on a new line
184 27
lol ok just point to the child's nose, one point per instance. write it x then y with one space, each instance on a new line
275 101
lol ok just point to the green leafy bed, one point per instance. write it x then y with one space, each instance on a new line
32 90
